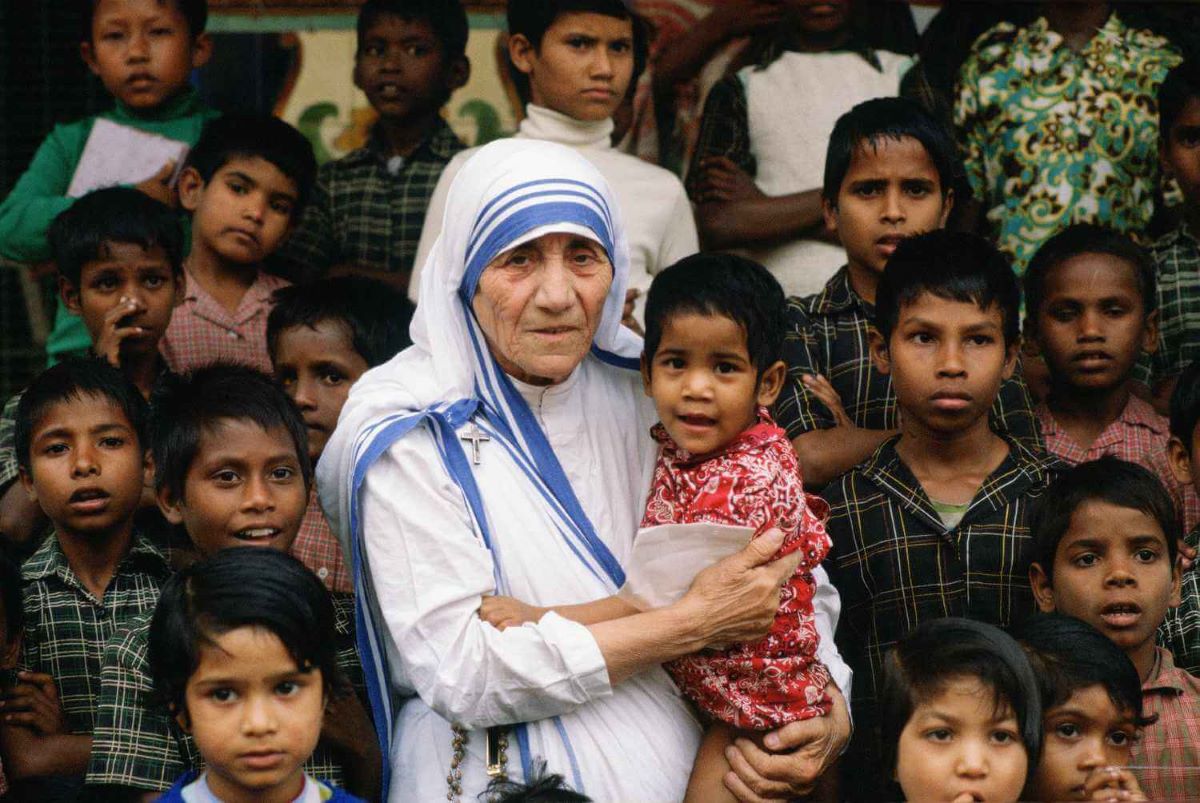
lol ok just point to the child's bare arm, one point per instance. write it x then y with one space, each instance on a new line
826 454
502 612
33 731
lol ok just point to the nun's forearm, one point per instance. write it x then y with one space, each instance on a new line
636 643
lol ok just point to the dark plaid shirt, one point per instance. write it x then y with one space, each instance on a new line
66 627
137 745
896 565
1180 631
9 468
1177 257
364 214
827 335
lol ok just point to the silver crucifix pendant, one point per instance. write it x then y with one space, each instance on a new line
476 436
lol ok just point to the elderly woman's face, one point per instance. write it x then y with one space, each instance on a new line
540 303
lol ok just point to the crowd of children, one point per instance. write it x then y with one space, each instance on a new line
988 435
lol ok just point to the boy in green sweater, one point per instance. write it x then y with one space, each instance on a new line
143 51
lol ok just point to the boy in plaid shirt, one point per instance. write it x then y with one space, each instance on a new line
1090 314
80 432
888 175
322 337
231 466
245 185
1105 552
1180 632
934 523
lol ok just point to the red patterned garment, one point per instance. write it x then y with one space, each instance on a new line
754 482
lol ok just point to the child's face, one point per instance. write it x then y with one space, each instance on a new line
254 715
1181 151
1086 733
821 17
86 467
947 360
244 213
243 488
1112 569
142 51
704 383
402 69
892 190
1092 325
956 747
127 287
316 366
583 66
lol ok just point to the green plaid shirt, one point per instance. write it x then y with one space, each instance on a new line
896 565
137 745
1177 257
827 335
1180 631
9 468
364 213
66 627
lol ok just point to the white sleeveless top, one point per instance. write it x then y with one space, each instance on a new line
789 140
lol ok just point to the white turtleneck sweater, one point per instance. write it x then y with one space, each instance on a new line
653 204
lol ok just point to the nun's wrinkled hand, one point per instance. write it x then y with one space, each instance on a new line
502 612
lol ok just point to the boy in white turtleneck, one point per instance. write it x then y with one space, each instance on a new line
573 61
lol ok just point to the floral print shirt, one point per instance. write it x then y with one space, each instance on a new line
1052 136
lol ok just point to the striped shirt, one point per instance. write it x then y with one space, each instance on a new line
1180 633
317 548
1177 257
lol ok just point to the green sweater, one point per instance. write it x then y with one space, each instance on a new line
40 194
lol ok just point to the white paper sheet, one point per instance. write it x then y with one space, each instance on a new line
117 154
665 559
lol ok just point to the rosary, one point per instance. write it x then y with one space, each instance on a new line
497 757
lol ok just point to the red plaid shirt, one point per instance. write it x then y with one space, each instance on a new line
317 548
1139 435
1171 746
202 331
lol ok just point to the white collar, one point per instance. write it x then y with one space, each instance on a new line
543 123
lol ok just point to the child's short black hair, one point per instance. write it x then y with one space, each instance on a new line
11 603
531 19
888 119
1185 405
194 11
1069 655
446 18
243 136
1181 85
184 407
378 317
540 787
941 650
240 587
1110 480
731 286
952 265
70 380
1087 238
82 232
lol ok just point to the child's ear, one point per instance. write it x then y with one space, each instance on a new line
27 483
645 365
1150 333
202 50
89 57
1043 589
947 208
191 188
1180 461
458 72
771 383
69 294
879 351
830 213
181 718
172 508
1011 352
522 52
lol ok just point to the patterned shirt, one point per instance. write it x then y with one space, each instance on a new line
1139 435
827 335
202 331
9 467
317 548
1180 632
1053 136
896 565
754 481
66 626
136 744
368 207
1172 744
1177 257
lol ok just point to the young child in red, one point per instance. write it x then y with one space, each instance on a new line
714 338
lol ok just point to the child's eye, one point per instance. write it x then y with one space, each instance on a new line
105 283
418 51
980 340
154 282
55 449
621 47
161 31
282 473
674 363
332 378
1120 738
281 207
112 442
112 36
725 368
287 688
939 735
223 695
1087 559
578 42
238 188
1067 730
1003 736
226 476
1115 310
917 189
1146 555
924 338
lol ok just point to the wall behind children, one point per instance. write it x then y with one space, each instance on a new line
294 57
